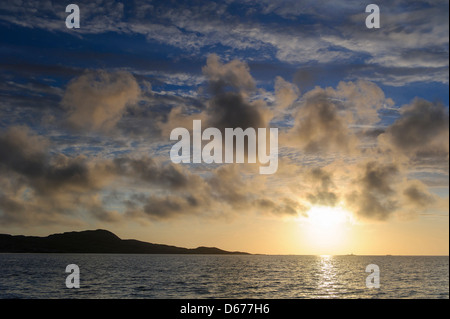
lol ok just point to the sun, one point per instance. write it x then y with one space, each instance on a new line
326 227
326 217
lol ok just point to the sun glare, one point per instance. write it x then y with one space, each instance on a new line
326 217
326 227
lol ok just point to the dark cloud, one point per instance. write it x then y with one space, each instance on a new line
319 126
223 191
421 130
282 207
232 110
53 188
226 185
12 211
229 106
191 201
322 183
372 207
27 155
150 171
323 198
375 194
382 191
378 177
417 195
23 152
25 209
323 177
170 206
43 186
226 102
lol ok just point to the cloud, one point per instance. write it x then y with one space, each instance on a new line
421 131
379 177
22 151
158 208
40 186
230 85
404 29
96 100
374 197
229 98
379 191
98 16
44 187
220 191
48 180
231 110
399 77
234 74
27 155
319 126
16 211
322 183
337 120
227 185
363 99
150 171
280 207
224 192
410 46
285 93
193 25
417 195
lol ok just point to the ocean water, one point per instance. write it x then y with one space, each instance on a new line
222 276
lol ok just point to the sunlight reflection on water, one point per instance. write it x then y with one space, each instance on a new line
221 276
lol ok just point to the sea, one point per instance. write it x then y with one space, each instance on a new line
123 276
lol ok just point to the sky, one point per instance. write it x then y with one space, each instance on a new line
362 116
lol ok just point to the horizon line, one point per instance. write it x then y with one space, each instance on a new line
237 251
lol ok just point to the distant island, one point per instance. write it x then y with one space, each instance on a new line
95 241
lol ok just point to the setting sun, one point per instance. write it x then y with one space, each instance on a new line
327 227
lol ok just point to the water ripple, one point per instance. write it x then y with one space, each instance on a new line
217 276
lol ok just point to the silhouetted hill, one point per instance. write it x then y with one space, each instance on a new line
94 241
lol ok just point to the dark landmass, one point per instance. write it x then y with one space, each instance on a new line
95 241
